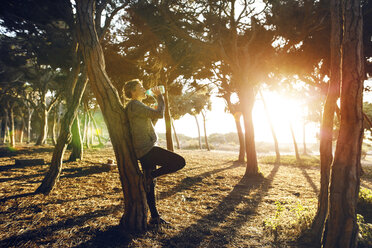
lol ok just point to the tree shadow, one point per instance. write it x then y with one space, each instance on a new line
188 182
16 166
21 177
16 196
11 152
34 235
310 180
83 171
221 216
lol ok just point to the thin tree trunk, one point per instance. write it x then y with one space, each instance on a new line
91 130
298 158
341 225
304 138
12 130
237 117
199 137
76 141
1 129
326 129
205 131
54 126
247 99
276 145
175 135
6 130
21 134
96 129
85 126
135 206
29 118
167 119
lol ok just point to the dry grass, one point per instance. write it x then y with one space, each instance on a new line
207 203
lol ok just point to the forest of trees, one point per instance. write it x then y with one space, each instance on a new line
63 66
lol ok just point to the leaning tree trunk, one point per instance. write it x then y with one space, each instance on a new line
341 224
298 158
277 160
12 130
54 127
205 132
167 119
326 129
76 141
175 135
199 137
135 206
247 98
22 130
64 138
237 117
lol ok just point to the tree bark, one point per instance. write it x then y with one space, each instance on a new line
199 137
54 126
341 225
76 142
1 129
326 129
29 118
135 206
237 117
205 131
43 127
298 158
23 125
276 145
167 119
175 135
247 98
12 130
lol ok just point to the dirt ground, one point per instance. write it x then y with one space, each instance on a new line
206 203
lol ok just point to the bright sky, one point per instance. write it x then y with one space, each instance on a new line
282 110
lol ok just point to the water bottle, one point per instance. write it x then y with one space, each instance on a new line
150 93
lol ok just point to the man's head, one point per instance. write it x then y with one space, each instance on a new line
133 89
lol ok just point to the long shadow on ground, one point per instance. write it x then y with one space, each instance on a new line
219 218
188 182
34 236
9 152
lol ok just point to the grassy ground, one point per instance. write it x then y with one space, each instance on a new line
207 203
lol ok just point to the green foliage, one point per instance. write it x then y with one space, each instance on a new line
291 160
365 232
273 224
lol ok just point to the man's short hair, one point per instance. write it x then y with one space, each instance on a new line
130 86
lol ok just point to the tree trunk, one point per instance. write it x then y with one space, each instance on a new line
1 129
277 160
86 135
199 137
23 125
167 119
12 130
76 142
247 98
237 117
91 131
54 126
135 205
304 138
341 225
175 135
43 127
64 138
29 118
205 132
326 129
96 129
85 130
298 158
6 130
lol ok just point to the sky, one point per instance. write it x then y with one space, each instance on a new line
282 111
